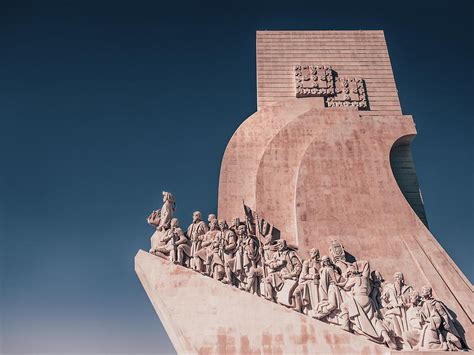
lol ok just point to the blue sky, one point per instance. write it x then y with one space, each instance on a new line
105 104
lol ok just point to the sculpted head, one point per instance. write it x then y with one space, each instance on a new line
281 245
398 278
213 224
241 229
174 223
426 292
196 216
326 260
222 224
211 217
314 253
168 196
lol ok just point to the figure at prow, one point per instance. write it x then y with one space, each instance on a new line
161 219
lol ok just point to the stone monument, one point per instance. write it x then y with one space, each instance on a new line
328 170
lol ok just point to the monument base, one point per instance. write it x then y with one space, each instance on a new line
204 316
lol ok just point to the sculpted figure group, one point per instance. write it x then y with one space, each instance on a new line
329 288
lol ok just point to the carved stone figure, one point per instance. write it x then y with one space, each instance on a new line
224 249
161 220
266 231
377 289
203 256
307 291
167 210
433 328
170 240
283 271
338 255
195 233
358 313
243 267
395 300
448 329
330 298
415 322
329 289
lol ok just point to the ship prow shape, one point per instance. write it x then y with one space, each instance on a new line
204 316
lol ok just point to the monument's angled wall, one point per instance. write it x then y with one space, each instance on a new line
361 54
320 168
322 173
203 316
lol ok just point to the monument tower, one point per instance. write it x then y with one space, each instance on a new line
326 162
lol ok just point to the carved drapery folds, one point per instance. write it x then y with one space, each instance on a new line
334 288
323 81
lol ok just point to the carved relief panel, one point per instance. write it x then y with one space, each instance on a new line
318 80
349 92
312 80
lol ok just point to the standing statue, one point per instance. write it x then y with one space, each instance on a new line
243 267
330 297
395 300
195 233
224 249
203 256
161 219
307 291
358 313
266 231
283 271
377 289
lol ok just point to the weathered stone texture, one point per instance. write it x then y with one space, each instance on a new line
325 173
361 54
203 316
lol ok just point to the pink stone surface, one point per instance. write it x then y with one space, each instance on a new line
238 179
324 173
204 316
318 174
362 54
